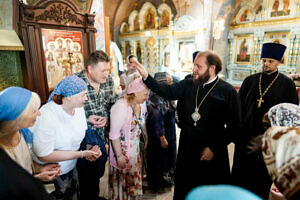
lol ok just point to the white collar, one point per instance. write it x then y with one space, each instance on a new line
212 80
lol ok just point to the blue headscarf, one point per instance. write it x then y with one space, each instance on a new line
13 101
224 192
69 86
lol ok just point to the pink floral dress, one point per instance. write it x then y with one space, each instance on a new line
126 184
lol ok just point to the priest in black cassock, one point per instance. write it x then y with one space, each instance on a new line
258 93
209 116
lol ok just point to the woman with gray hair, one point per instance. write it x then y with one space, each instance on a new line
18 111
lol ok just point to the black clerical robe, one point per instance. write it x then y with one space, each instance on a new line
16 183
249 169
220 117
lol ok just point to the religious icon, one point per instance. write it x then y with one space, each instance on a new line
281 38
167 59
244 16
286 5
243 50
63 54
280 8
136 24
150 19
127 49
186 49
244 46
51 68
275 6
139 53
165 19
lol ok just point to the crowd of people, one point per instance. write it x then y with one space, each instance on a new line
65 142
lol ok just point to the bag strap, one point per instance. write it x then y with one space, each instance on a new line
142 130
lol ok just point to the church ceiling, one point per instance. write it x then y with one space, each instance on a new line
119 10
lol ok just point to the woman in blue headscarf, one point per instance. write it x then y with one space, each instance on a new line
59 131
18 111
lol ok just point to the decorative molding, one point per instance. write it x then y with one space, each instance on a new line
11 48
267 23
59 13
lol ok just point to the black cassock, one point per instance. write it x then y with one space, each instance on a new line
16 183
220 118
249 169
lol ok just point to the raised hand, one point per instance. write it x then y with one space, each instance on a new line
139 67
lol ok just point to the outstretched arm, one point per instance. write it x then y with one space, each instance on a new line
139 67
172 92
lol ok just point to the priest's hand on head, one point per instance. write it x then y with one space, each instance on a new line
207 154
139 67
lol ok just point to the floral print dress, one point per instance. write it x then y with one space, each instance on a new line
126 184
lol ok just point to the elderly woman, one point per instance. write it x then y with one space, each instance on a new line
281 150
18 111
161 150
59 131
127 125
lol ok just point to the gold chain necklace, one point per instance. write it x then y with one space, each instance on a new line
260 100
196 115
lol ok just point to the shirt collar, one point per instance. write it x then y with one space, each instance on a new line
212 80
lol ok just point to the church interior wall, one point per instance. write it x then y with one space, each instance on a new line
10 60
163 48
254 24
97 8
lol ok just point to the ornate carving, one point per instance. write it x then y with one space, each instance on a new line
29 14
90 20
60 14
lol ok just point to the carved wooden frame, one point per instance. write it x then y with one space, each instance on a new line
54 14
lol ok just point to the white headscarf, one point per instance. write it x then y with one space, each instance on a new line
281 147
284 114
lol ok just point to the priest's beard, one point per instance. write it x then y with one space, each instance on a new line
201 79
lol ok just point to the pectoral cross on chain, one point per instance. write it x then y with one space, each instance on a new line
260 100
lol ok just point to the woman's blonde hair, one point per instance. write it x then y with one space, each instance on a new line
12 126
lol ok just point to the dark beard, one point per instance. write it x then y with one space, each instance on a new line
202 79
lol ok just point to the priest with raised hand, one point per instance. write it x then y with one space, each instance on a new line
258 93
209 119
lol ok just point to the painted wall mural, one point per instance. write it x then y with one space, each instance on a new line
98 9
